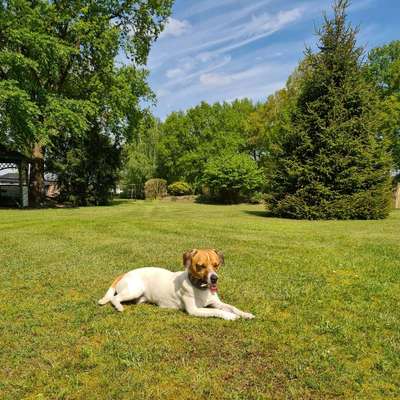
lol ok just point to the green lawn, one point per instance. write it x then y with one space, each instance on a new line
326 297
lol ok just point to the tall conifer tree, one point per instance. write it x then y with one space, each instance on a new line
332 163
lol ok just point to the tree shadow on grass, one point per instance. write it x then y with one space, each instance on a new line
258 213
118 202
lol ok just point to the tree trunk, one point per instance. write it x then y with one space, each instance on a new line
37 176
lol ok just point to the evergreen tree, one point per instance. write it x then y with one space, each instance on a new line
332 163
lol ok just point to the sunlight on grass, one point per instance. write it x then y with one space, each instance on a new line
325 295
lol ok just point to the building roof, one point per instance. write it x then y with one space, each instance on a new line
7 155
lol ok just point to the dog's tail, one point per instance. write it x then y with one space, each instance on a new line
111 291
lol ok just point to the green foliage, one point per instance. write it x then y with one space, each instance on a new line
383 68
87 168
257 198
188 140
331 162
180 188
231 178
58 77
155 189
139 162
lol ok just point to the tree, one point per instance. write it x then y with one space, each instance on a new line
140 158
87 167
383 68
188 140
332 163
231 178
266 124
58 74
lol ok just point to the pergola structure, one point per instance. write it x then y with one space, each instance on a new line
14 160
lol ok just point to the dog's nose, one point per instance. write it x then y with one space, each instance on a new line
214 278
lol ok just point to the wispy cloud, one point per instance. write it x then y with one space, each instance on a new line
175 27
215 50
201 7
191 70
213 80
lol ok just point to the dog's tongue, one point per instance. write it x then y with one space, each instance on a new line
213 288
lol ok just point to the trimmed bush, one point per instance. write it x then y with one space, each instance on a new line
155 189
179 188
232 178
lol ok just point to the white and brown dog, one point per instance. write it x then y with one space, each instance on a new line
194 290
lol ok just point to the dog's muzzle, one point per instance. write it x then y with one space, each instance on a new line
213 283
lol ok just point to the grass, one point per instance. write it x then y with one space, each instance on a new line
325 294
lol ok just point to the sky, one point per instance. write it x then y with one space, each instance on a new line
221 50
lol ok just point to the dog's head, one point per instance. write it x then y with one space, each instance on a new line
203 265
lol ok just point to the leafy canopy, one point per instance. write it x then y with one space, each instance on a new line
61 90
188 140
383 68
57 66
231 178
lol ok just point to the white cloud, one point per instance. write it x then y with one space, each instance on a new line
162 92
201 59
243 76
173 73
213 79
204 56
189 74
267 22
175 27
206 6
261 27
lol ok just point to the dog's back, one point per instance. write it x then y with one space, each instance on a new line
150 284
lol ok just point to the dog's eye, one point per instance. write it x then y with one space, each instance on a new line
199 267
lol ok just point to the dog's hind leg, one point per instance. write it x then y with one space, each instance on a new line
111 291
129 292
141 300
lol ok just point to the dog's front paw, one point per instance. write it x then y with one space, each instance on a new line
230 316
247 315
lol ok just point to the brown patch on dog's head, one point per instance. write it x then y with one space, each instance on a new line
202 262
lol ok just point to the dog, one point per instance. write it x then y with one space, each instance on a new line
193 290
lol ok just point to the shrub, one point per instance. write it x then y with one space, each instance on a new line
155 189
232 178
257 198
180 188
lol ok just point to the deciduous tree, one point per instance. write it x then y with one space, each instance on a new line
58 76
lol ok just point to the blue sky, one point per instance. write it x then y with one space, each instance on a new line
220 50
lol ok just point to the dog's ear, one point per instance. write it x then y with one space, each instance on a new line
187 257
221 257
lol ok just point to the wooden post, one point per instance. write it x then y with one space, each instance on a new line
37 176
396 196
23 182
21 185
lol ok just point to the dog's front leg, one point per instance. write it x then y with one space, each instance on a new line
218 304
192 309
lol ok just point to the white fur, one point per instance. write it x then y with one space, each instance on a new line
169 290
